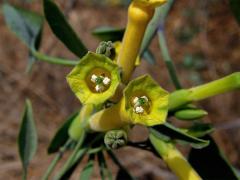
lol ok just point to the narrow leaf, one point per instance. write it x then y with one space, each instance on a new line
235 7
88 169
106 33
27 138
210 163
149 57
27 26
62 29
200 129
168 132
61 136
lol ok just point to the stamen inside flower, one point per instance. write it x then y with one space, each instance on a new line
141 104
99 80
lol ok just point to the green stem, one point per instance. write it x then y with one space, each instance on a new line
24 174
57 158
77 155
71 158
167 59
95 150
53 60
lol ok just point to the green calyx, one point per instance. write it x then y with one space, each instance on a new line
95 79
115 139
146 102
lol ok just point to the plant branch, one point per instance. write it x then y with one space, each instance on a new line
53 60
57 158
71 158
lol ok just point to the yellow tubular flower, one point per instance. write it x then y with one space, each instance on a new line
144 102
117 46
140 12
95 79
174 159
111 118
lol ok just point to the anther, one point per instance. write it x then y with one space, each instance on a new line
106 81
100 82
139 109
139 103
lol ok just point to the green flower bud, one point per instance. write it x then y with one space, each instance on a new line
146 102
95 79
115 139
80 123
190 114
106 48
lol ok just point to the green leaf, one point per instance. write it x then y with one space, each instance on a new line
62 29
61 136
27 26
200 129
27 138
149 57
210 163
235 7
106 33
88 169
104 171
168 132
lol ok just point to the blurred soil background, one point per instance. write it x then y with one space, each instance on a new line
204 42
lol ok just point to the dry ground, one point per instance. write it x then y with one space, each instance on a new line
218 41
